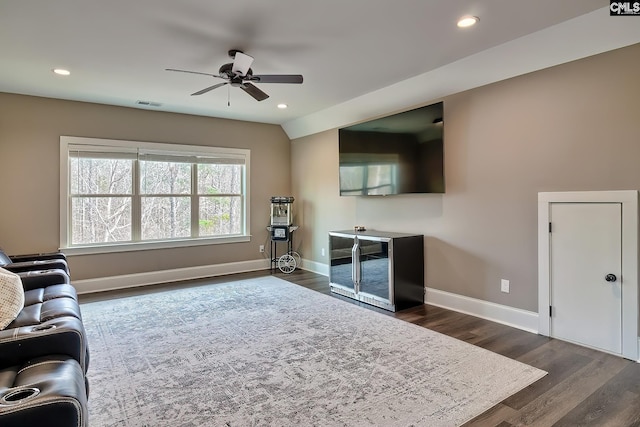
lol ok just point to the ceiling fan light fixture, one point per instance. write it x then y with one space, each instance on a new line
468 21
61 71
282 106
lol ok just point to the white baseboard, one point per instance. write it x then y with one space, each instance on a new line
315 267
165 276
514 317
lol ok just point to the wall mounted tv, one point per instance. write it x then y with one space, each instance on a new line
398 154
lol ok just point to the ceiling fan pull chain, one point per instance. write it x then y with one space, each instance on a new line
228 95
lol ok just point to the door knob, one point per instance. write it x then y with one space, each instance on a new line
610 278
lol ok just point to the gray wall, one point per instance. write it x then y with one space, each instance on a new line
30 130
568 128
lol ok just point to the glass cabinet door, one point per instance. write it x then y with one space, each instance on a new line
374 262
341 263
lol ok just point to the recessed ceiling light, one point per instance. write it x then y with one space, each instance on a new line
468 21
282 106
61 71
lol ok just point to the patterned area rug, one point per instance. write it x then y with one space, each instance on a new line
265 352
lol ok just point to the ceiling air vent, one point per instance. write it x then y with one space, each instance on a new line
149 103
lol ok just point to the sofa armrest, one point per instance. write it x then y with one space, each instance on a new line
38 257
42 278
50 264
63 335
47 391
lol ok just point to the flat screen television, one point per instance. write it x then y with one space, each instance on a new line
398 154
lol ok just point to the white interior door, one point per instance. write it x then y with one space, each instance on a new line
586 247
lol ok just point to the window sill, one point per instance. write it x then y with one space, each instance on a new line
143 246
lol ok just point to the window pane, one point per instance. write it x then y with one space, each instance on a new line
100 176
219 179
165 178
220 216
166 217
100 219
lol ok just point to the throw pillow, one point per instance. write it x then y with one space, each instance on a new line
11 297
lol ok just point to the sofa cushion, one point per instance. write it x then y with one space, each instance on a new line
11 297
40 295
35 314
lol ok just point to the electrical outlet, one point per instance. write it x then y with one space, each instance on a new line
261 248
504 286
322 251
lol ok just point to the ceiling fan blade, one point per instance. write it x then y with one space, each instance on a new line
192 72
254 91
241 64
207 89
276 78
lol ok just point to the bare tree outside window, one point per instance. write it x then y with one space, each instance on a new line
166 204
101 200
219 188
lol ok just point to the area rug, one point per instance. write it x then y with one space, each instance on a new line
266 352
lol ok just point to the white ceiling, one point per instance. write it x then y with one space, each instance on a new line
359 57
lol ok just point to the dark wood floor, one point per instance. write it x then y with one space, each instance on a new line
584 387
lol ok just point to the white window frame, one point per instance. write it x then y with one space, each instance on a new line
68 142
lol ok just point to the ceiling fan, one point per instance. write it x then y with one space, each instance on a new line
239 74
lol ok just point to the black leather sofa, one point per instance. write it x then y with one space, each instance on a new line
44 356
